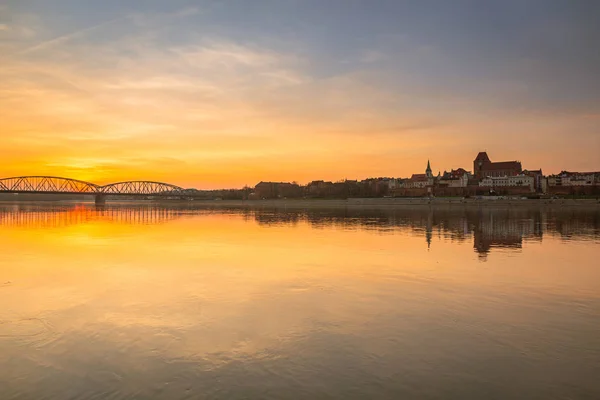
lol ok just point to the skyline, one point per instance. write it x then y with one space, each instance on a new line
215 94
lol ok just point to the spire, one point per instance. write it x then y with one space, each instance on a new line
428 170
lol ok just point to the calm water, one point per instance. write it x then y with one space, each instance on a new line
147 302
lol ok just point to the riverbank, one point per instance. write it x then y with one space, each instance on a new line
397 203
353 203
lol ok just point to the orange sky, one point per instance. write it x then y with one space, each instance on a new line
131 97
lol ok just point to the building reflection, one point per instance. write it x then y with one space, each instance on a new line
500 230
487 228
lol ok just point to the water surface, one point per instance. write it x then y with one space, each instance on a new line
143 301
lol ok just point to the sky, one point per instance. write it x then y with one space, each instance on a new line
213 94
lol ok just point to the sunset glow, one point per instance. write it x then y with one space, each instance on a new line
223 94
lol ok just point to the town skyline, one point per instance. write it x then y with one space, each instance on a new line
467 166
486 177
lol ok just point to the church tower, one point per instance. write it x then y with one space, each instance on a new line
428 170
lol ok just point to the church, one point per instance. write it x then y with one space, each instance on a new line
484 167
421 180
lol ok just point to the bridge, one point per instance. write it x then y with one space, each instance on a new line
58 185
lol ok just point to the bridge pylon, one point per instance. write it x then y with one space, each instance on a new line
100 199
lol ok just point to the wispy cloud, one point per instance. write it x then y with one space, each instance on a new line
155 84
153 19
227 54
65 38
186 12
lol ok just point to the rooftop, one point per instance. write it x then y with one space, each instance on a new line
503 165
419 177
482 156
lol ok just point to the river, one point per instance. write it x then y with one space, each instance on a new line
147 301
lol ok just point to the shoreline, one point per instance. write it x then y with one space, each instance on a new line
398 203
389 203
365 203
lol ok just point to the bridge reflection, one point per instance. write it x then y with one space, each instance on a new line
486 228
60 216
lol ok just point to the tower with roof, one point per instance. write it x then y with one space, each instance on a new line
428 170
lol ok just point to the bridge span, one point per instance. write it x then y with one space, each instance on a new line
59 185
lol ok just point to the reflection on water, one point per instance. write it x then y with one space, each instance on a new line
486 228
169 302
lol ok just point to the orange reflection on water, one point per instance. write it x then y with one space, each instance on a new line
239 250
209 288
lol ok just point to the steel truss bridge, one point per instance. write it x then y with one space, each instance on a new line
58 185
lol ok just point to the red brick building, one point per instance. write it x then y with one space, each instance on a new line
483 167
455 173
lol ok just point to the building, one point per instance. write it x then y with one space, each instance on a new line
421 181
418 181
566 178
319 188
341 189
498 183
375 187
484 167
272 190
396 183
538 178
393 184
455 178
574 183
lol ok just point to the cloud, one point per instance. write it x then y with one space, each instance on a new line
154 19
141 19
373 56
65 38
222 53
186 12
120 91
